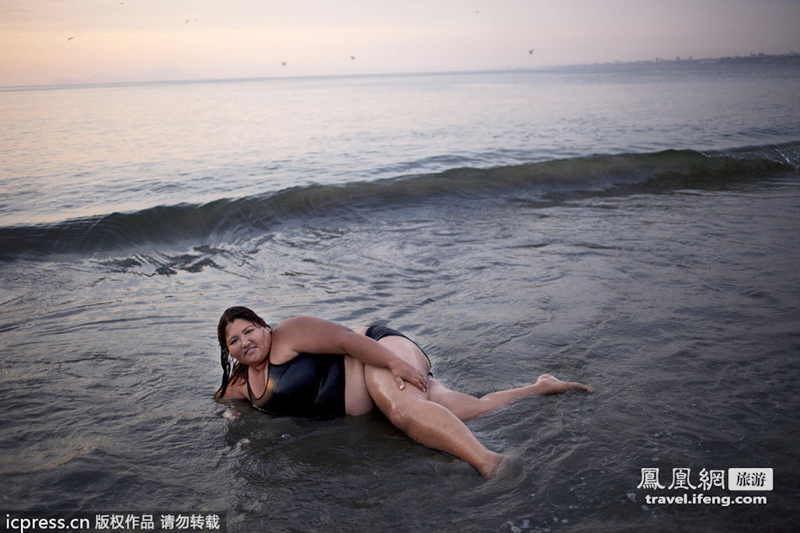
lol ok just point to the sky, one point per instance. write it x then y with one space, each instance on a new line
42 41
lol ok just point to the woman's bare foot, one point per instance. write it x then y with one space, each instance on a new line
507 468
500 469
491 466
548 384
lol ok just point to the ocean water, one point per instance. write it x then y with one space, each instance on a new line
634 228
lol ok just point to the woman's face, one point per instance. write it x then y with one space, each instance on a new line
247 342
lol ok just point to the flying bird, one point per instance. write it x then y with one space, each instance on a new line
531 51
70 38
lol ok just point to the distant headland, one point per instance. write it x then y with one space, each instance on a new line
792 58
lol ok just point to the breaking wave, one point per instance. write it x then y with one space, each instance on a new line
230 220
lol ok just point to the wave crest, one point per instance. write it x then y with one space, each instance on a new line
230 220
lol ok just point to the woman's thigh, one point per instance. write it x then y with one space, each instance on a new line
364 384
382 385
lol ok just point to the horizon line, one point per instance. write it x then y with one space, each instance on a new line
66 83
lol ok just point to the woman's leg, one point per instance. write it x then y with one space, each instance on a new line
425 421
467 407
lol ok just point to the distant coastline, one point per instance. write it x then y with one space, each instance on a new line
792 58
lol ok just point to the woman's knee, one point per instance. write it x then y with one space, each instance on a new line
401 416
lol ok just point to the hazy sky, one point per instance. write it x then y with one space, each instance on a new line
44 40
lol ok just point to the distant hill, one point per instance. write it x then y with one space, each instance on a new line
792 58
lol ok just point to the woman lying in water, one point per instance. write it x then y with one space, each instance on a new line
314 368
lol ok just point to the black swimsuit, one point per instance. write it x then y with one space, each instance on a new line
309 385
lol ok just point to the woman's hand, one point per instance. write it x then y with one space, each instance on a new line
403 371
314 335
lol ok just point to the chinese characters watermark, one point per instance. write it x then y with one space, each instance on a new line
682 481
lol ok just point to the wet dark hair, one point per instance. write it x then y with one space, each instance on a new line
239 371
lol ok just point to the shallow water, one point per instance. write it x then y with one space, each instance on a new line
668 282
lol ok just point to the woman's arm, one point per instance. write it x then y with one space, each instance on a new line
314 335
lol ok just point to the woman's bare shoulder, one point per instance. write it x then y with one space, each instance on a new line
302 322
